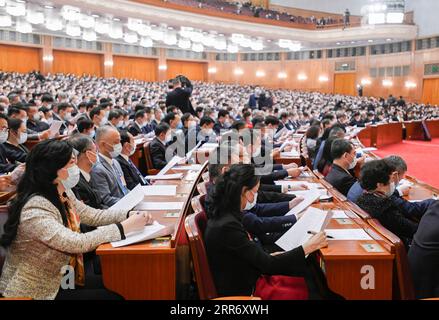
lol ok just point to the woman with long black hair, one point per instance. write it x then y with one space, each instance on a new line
42 236
235 260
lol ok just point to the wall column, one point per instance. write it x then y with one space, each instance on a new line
47 55
162 63
108 60
211 66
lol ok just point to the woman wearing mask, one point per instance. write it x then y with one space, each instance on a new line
377 181
236 260
42 233
14 147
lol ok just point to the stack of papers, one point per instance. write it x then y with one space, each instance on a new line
303 193
309 198
310 185
313 220
339 214
290 154
170 165
195 167
148 233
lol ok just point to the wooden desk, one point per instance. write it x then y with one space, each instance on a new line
366 137
343 260
388 133
414 130
154 269
433 127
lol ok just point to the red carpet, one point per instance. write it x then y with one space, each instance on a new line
422 158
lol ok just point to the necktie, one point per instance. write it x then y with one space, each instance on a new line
118 175
137 171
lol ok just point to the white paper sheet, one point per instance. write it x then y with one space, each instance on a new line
287 143
130 200
170 165
309 198
312 220
365 150
339 214
303 193
290 154
189 154
210 145
175 176
195 167
160 190
154 206
149 232
347 234
280 132
54 127
310 185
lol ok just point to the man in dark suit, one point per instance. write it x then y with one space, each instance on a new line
180 96
344 155
158 146
33 121
137 127
223 122
132 175
86 158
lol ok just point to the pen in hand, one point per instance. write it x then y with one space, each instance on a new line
314 233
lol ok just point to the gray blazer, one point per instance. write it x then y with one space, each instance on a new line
104 182
43 246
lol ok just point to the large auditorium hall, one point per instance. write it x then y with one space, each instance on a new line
209 157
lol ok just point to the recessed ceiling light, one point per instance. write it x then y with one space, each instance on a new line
268 40
21 1
95 15
49 7
338 43
116 19
352 42
370 41
389 39
170 28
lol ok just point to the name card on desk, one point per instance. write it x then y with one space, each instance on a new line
171 164
290 154
195 167
148 233
159 190
313 220
130 200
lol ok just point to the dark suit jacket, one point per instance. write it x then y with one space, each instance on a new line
340 179
37 126
237 262
84 192
130 174
14 153
218 127
389 216
5 164
135 130
179 97
158 154
423 255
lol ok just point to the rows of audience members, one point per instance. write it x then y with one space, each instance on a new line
95 164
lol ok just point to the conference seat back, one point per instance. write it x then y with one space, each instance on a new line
202 187
148 159
195 226
403 282
3 218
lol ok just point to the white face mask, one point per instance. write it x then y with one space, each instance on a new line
391 190
3 136
22 138
68 116
117 149
103 122
49 121
311 143
73 178
168 138
353 164
133 150
192 124
250 205
120 124
37 117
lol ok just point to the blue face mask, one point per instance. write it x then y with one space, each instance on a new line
180 125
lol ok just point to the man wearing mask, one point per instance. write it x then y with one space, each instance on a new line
345 159
107 177
132 175
158 146
180 95
223 122
34 120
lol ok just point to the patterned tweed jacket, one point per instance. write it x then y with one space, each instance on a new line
43 246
